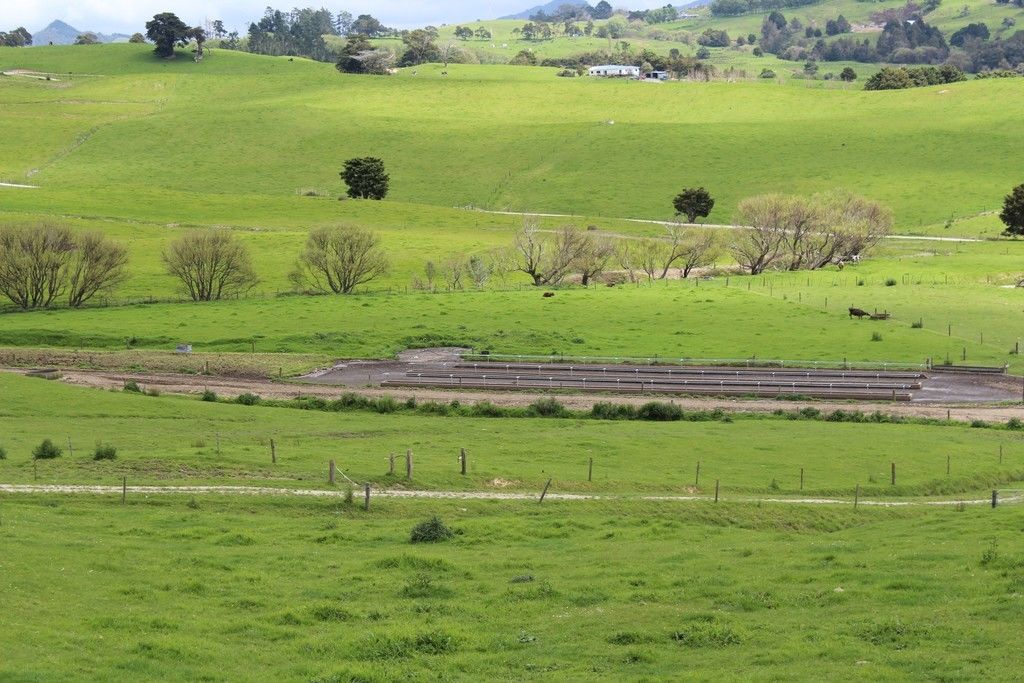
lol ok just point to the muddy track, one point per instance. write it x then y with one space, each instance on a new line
264 491
229 387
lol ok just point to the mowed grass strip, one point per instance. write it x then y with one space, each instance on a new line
185 589
166 440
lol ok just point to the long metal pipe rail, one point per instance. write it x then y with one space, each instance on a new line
583 379
681 371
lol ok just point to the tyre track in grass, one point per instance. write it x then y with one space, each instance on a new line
268 491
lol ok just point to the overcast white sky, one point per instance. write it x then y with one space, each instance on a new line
128 16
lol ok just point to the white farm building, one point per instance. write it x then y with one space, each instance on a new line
615 71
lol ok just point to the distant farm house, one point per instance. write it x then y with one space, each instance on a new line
615 71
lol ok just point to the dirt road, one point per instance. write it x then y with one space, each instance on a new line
71 489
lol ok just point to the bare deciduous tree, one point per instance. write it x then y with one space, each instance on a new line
210 264
594 259
759 245
452 271
339 259
33 264
545 259
97 265
700 248
480 269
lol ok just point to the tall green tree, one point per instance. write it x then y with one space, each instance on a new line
166 31
1012 214
366 178
693 202
419 48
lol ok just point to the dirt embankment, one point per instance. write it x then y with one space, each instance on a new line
229 387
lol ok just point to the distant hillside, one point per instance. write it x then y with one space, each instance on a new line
549 8
60 33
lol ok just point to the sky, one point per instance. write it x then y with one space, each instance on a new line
129 16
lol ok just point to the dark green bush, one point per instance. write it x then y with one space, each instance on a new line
432 530
612 411
547 407
46 450
487 409
132 386
104 452
386 404
247 399
1014 423
659 412
208 396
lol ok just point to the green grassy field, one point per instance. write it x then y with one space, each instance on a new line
168 589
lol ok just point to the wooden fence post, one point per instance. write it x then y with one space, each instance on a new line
856 496
544 492
124 490
462 460
995 497
366 488
590 470
893 483
71 451
391 464
330 473
801 478
273 452
696 480
408 464
947 465
716 490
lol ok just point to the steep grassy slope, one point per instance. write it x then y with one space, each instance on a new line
497 137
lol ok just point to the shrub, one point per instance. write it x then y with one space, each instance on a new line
247 399
766 73
3 453
132 386
917 325
890 282
386 404
104 452
1014 423
876 336
46 450
547 407
209 396
659 412
979 424
612 411
432 530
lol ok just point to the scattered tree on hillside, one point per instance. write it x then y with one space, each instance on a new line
343 23
463 32
482 33
218 29
757 246
137 38
594 258
339 259
693 202
87 38
977 31
199 35
211 265
1012 214
545 259
166 31
41 263
713 37
19 37
368 26
366 178
296 32
524 58
848 74
419 48
97 265
602 10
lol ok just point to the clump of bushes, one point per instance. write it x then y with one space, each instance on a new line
917 325
132 386
47 450
208 396
547 407
104 452
891 282
432 530
876 336
660 412
247 399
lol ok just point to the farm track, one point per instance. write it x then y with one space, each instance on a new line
267 491
230 387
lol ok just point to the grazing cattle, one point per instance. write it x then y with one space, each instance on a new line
858 312
548 295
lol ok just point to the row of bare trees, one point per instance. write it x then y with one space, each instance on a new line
806 233
42 265
216 264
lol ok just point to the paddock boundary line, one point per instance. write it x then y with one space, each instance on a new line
97 489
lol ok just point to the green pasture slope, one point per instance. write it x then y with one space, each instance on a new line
173 440
217 589
185 143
